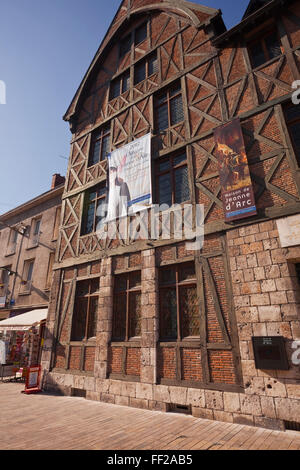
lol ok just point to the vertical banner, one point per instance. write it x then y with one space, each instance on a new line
129 186
237 190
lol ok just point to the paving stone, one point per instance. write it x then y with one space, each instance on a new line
77 424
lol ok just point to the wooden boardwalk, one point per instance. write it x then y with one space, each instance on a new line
48 422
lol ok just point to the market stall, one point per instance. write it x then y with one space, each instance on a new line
21 341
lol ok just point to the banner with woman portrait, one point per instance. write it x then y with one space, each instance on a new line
129 179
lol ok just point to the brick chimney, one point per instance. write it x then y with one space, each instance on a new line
57 180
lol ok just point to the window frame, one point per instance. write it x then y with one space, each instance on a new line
51 262
5 278
146 62
99 135
26 281
168 98
178 284
261 40
291 123
171 171
87 296
87 203
132 38
121 79
127 292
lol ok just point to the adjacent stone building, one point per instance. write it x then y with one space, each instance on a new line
150 323
28 236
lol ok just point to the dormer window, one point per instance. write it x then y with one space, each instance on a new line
136 37
265 48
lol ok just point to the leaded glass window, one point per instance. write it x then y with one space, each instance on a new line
292 115
84 322
169 108
127 306
94 212
172 183
100 146
179 309
265 48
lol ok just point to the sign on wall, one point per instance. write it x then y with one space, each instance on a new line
237 190
289 231
130 188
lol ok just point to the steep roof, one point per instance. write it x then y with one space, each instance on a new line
194 13
253 6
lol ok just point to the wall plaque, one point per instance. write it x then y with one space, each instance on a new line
289 231
270 353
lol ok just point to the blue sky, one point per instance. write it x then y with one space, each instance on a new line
45 50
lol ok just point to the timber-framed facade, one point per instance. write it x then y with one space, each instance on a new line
172 69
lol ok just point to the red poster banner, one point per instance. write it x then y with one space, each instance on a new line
33 380
237 191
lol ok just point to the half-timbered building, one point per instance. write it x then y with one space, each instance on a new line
148 322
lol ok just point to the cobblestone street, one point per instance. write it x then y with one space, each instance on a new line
49 422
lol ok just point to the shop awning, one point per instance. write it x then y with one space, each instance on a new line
24 321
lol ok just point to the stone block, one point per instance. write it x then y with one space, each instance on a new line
247 420
288 409
128 389
264 259
259 329
144 391
93 396
251 288
250 405
178 395
251 260
107 398
223 416
260 299
138 403
161 394
278 298
293 390
272 272
89 384
121 401
274 388
268 407
270 313
196 397
202 413
279 329
245 331
157 406
79 382
248 368
232 402
247 315
259 273
254 385
268 423
268 286
115 387
290 312
214 400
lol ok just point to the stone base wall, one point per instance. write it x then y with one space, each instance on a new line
253 410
